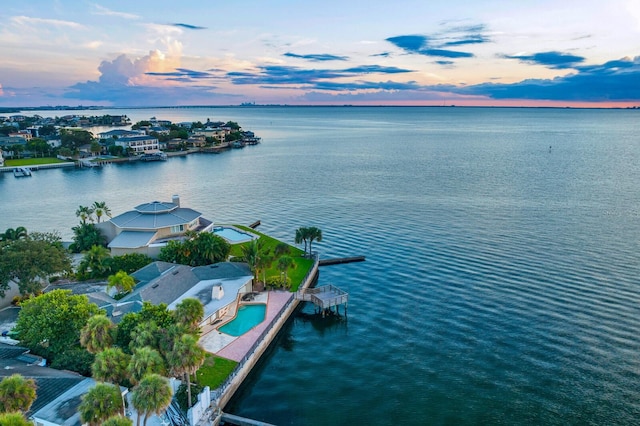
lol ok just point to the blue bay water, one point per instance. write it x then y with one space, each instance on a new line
501 281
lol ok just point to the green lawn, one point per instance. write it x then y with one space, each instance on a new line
296 274
214 371
31 161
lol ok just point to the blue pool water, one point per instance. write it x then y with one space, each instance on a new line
232 235
248 317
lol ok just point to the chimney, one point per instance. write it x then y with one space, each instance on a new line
176 200
217 292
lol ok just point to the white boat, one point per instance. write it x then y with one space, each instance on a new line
22 172
154 156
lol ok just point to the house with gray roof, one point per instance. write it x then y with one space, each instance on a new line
217 286
58 392
118 133
149 226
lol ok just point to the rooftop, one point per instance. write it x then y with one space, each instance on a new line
154 216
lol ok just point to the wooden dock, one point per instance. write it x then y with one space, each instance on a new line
242 421
324 297
339 260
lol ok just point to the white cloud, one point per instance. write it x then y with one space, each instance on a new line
30 21
93 44
164 30
101 10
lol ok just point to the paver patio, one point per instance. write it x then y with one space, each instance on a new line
235 348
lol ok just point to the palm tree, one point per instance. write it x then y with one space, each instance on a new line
186 358
85 213
101 402
281 248
190 313
16 394
145 334
97 334
122 281
145 361
117 421
110 366
100 208
93 261
14 234
264 262
151 396
313 233
14 419
302 235
284 263
251 255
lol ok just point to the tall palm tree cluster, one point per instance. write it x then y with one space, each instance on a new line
259 258
93 213
153 353
308 235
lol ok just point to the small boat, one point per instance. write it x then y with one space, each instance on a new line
154 156
22 172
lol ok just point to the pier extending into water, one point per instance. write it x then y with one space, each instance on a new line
242 421
324 297
339 260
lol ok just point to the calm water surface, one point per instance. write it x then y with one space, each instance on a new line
501 283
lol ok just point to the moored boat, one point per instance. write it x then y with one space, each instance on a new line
154 156
22 172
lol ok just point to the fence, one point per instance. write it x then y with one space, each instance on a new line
217 394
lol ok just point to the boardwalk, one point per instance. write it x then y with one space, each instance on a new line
324 297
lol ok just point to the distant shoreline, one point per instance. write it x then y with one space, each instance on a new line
14 110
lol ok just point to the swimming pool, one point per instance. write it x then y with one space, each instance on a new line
233 235
248 316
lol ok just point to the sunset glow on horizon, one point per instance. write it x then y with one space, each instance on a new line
462 53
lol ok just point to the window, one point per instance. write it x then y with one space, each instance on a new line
177 228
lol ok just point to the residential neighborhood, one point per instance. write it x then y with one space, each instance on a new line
161 296
70 137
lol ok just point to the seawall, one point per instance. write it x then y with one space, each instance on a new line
35 167
223 395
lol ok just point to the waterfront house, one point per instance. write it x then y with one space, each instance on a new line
12 143
118 133
212 132
139 143
217 286
160 130
25 134
148 227
197 141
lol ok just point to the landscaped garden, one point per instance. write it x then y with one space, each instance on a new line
271 247
214 371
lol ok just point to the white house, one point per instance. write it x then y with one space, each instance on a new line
139 143
149 226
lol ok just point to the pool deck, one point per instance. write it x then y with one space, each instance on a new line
235 348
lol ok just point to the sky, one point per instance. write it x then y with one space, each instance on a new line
579 53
